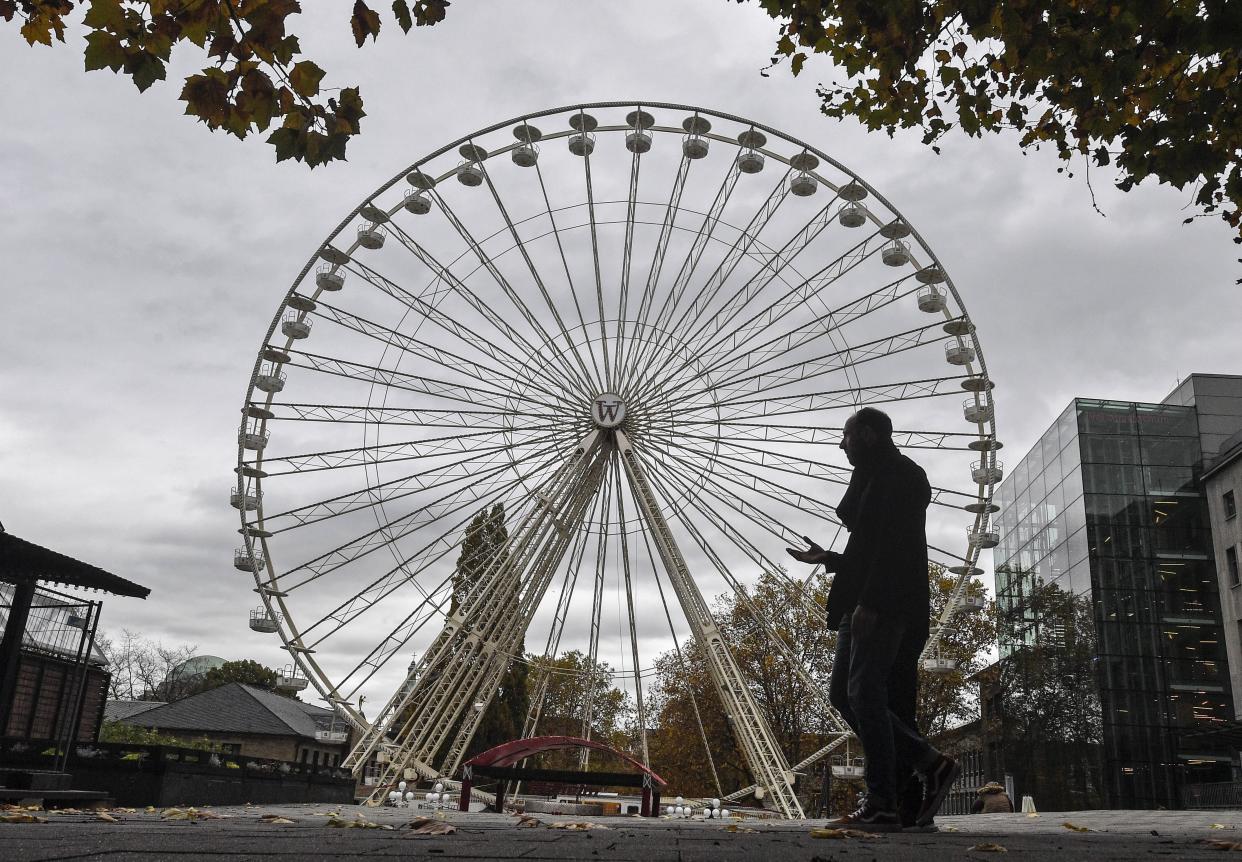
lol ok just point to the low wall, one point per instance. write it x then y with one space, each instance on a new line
141 775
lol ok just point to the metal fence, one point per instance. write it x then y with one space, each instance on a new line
1217 794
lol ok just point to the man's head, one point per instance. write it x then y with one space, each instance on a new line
865 433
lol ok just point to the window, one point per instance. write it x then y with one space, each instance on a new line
1231 562
1231 507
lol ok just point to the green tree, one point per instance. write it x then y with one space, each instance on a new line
1151 87
572 683
246 671
255 78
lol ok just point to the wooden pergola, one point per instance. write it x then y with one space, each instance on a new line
26 565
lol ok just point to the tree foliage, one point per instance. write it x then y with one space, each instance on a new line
255 79
570 686
132 734
246 671
793 710
1152 87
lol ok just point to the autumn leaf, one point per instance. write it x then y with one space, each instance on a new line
364 22
305 78
401 10
104 51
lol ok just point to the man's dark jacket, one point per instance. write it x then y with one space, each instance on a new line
884 566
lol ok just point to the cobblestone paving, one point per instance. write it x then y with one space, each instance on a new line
241 833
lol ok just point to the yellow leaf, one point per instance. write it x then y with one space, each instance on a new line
990 847
1074 827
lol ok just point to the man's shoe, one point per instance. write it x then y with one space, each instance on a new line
868 818
936 785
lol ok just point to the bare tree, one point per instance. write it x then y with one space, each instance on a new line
140 666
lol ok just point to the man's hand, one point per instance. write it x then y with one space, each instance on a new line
815 555
863 622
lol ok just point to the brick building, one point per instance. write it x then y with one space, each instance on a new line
253 722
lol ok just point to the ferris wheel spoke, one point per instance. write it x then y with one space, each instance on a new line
794 663
428 308
567 344
510 293
627 254
741 247
601 559
630 616
365 414
409 382
476 489
597 378
732 469
711 339
599 281
755 356
647 300
447 360
410 450
741 410
692 485
825 364
707 227
681 659
481 306
827 435
372 495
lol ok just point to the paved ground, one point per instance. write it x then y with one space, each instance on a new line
242 833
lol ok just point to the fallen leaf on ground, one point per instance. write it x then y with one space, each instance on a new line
577 826
150 809
733 827
990 847
1074 827
106 817
275 818
1032 815
359 822
21 817
526 821
126 810
188 814
1219 826
1217 844
431 826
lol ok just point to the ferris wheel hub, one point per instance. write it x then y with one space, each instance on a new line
608 410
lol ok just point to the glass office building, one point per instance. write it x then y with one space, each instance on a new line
1111 640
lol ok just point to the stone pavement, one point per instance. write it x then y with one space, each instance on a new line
241 833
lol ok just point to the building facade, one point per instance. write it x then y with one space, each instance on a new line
1112 644
1222 484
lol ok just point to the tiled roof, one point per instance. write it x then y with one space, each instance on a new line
119 710
24 560
235 708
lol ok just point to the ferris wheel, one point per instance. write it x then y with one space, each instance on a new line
638 328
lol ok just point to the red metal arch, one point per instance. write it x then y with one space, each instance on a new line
509 753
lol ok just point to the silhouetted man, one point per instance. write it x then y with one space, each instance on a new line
880 604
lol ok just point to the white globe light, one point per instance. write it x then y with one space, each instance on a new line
430 796
439 786
668 809
707 813
409 796
679 800
401 786
715 803
724 812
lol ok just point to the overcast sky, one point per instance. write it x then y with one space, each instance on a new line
144 258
